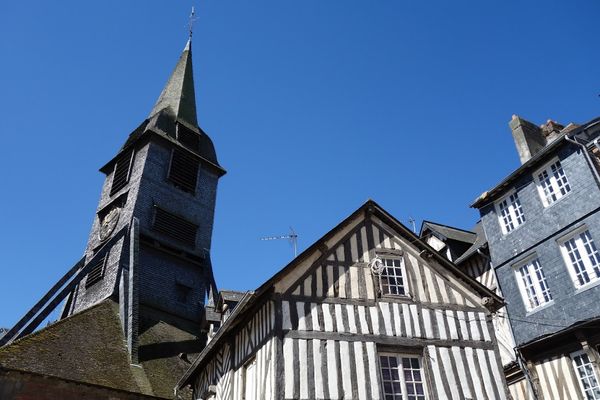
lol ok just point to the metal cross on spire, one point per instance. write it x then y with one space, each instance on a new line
191 21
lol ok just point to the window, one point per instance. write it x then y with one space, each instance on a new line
402 377
392 275
249 380
588 381
582 258
552 183
532 282
188 137
183 171
174 226
121 173
511 213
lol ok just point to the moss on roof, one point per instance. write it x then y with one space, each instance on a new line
90 347
87 347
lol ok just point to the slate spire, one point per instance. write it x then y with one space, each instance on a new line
178 97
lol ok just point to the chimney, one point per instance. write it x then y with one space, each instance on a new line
551 130
529 138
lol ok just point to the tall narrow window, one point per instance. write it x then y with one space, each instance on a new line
392 278
183 171
532 282
121 173
588 380
511 213
552 183
402 377
582 258
249 380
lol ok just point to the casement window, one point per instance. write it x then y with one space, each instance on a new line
582 258
533 285
121 172
96 273
402 377
392 277
510 213
249 380
552 183
586 375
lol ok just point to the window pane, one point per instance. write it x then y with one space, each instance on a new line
391 278
536 290
587 376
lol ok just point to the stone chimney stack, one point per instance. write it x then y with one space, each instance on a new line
529 138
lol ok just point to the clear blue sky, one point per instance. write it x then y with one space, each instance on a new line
314 107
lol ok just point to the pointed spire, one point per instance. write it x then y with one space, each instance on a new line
178 96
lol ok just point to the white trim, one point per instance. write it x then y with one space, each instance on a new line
553 182
399 358
584 257
577 372
512 217
538 290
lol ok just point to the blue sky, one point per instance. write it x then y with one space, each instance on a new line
314 107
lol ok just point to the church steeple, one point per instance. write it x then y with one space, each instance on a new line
178 98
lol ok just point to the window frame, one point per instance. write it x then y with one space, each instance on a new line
511 212
580 353
584 257
400 356
250 362
537 285
547 168
393 254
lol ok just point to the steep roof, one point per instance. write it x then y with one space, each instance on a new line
252 297
449 232
90 347
479 243
178 96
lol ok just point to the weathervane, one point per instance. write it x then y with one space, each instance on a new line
191 21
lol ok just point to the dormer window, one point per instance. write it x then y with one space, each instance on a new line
552 183
510 213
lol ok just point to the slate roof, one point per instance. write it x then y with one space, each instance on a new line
449 232
479 243
90 347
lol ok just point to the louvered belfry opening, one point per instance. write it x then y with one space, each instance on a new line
96 273
174 226
121 175
184 170
188 137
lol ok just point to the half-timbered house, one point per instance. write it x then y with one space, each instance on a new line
369 311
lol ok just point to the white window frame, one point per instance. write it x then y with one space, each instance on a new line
556 184
583 267
532 283
385 258
401 375
515 216
580 377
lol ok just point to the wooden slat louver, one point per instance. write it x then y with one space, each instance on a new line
184 171
175 227
188 137
96 274
121 175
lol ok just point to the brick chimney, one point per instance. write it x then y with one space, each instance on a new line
529 138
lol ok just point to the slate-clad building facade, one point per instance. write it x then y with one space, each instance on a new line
543 228
367 312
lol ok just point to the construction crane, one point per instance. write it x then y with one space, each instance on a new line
292 237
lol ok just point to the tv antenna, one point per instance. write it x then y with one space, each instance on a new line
292 237
412 221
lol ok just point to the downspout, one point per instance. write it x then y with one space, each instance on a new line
587 156
526 372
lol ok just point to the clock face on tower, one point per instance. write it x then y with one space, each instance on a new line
109 223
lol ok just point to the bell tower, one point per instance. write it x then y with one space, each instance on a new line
149 246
